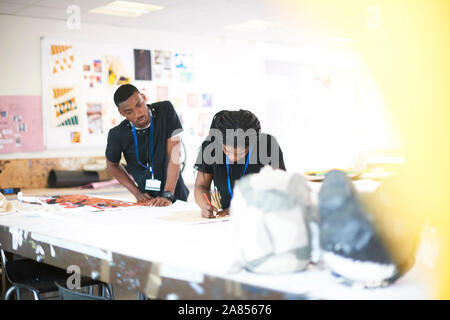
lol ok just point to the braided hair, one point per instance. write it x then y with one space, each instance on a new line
241 119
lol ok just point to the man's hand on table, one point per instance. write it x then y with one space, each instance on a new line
159 202
143 198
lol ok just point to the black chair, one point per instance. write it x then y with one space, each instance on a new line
38 277
67 294
2 279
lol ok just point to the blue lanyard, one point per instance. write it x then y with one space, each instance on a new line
228 170
136 148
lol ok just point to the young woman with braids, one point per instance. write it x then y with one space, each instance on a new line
234 148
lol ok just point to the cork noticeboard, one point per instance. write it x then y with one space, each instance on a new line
33 173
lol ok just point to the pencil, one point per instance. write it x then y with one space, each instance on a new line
219 198
209 202
214 198
206 197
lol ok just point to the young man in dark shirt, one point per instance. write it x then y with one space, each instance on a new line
149 139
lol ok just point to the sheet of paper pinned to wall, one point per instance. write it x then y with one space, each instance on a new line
78 83
21 124
142 64
163 64
65 110
184 66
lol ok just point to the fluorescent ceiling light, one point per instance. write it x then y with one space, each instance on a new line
126 9
251 25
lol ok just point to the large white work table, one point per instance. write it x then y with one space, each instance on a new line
170 260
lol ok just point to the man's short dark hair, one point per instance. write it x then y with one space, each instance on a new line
123 93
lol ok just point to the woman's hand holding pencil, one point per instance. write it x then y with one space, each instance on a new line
208 210
223 213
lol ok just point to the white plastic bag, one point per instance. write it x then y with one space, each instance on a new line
270 213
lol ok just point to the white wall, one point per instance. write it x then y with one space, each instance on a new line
236 72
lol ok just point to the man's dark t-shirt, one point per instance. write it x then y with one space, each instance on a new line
120 140
258 159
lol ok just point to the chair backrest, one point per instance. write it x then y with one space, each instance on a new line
67 294
3 262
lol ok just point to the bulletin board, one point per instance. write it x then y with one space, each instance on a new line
80 78
20 124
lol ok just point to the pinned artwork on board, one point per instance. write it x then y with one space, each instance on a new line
162 93
21 124
94 114
17 140
184 64
192 100
21 127
163 64
207 100
117 74
186 77
92 80
184 61
62 58
75 137
65 111
164 59
178 102
203 124
142 64
92 76
97 66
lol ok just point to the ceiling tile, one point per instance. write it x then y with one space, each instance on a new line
10 8
164 3
87 5
84 5
96 18
43 13
21 1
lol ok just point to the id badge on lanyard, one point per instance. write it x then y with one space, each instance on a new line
150 184
153 185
